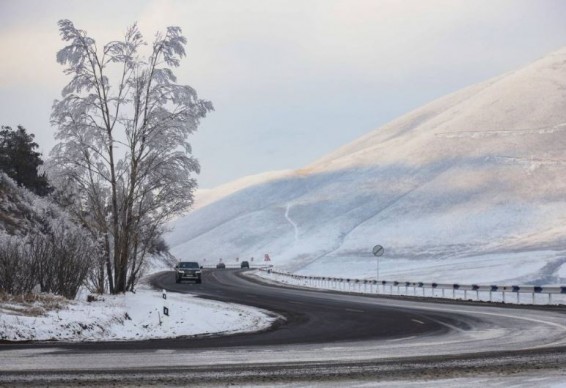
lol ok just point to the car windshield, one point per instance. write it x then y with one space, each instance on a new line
188 264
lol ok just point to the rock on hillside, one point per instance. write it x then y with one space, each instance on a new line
468 187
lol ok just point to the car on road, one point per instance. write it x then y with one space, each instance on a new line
245 264
188 270
220 265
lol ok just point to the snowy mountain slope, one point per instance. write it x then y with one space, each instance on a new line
206 196
475 176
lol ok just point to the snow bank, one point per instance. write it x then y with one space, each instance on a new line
129 317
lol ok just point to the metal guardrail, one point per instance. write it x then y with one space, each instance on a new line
418 288
237 265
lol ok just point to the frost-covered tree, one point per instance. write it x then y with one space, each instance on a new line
123 123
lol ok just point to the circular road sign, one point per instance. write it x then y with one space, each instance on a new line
378 250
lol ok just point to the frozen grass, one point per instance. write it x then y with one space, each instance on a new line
31 305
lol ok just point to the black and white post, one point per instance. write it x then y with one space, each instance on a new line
165 306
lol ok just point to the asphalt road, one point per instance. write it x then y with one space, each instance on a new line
308 316
322 337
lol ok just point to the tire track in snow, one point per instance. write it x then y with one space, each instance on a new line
292 222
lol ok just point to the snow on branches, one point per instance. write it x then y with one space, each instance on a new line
123 123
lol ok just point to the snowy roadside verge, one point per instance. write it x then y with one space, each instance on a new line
129 317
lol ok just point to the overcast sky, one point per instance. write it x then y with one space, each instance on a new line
290 80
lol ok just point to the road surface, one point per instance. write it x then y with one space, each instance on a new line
321 337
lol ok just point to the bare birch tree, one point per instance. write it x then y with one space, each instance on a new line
123 123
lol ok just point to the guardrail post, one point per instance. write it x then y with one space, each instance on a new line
491 289
476 288
517 289
454 288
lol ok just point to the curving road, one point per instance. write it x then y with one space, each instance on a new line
307 316
322 336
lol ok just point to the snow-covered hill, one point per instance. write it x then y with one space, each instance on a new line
467 188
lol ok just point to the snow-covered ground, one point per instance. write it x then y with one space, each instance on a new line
127 317
468 188
496 268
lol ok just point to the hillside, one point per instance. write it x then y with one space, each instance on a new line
466 188
22 212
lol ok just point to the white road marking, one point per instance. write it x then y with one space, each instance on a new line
165 351
417 321
402 339
355 311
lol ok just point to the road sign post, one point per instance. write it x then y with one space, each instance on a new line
377 252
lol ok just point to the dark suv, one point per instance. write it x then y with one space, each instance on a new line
245 264
187 270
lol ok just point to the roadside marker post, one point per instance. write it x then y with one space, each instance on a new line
165 307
